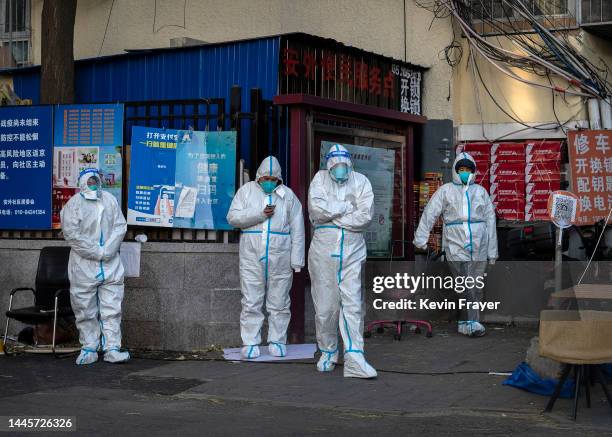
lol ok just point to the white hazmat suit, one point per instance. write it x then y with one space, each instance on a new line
269 249
469 235
339 211
94 226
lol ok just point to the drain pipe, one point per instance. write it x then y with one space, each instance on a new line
594 116
605 108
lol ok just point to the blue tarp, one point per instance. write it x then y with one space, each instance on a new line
524 377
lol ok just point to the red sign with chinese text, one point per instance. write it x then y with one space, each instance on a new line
590 157
329 69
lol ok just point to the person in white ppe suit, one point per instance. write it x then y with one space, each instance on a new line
94 226
469 236
340 205
270 217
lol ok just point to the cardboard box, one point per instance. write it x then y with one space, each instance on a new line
543 157
535 198
544 177
508 201
543 152
508 158
530 217
504 188
543 147
501 198
543 167
537 208
482 163
508 169
505 178
507 152
542 188
511 209
485 184
483 178
476 150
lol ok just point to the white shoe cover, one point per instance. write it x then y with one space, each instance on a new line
355 366
277 349
327 361
250 352
471 328
87 356
116 356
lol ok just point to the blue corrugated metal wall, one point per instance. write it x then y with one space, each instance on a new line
185 73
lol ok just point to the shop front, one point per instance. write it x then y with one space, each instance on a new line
304 93
372 106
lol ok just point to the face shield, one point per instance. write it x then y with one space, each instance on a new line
90 184
339 163
340 172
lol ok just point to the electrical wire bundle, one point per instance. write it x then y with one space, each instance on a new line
535 48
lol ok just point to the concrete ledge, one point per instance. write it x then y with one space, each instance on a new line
23 244
186 298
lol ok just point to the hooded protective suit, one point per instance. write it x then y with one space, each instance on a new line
269 249
469 235
339 212
94 226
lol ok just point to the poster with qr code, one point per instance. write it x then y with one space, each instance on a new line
590 163
563 207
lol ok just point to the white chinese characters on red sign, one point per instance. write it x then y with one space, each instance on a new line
590 155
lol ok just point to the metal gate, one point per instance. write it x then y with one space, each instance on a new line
259 133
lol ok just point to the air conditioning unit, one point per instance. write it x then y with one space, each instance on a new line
184 41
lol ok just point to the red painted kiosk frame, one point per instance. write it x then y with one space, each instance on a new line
299 106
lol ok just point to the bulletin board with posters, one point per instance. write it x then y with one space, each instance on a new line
181 178
378 165
590 156
86 136
26 142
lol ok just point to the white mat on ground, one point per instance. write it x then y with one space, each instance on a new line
294 352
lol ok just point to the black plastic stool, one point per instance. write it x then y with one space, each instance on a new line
584 375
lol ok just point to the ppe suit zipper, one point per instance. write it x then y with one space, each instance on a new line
101 275
469 225
268 234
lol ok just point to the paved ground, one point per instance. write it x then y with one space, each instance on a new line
437 386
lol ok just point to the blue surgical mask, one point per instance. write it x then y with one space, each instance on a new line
93 187
340 172
268 186
464 176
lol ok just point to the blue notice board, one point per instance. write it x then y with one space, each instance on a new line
26 142
205 179
181 179
152 176
86 136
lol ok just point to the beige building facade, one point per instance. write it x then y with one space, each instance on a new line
373 25
396 28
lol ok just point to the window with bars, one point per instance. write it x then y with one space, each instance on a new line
555 14
15 32
499 9
16 16
20 50
596 11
